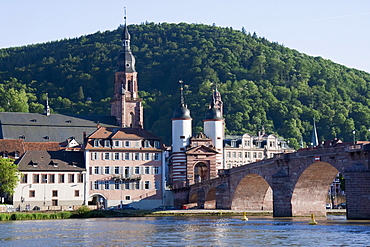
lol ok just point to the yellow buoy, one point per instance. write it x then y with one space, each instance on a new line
245 216
313 221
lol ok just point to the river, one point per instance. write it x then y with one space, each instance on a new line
186 231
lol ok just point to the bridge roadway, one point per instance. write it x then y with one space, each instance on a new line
289 184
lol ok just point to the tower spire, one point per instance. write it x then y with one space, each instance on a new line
181 93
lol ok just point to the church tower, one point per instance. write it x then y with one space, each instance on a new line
181 134
213 124
126 106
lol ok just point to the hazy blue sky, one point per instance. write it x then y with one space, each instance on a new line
334 29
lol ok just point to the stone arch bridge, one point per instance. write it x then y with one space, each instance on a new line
290 184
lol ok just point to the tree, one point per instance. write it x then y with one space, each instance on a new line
9 176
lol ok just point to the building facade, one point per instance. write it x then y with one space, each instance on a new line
125 167
51 180
245 149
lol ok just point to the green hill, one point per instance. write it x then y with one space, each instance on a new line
262 83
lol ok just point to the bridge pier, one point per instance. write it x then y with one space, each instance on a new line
282 194
358 192
201 195
223 200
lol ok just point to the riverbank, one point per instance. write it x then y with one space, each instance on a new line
85 213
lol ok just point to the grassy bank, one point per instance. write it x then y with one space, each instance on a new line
85 212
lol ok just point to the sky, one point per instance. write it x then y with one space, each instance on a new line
333 29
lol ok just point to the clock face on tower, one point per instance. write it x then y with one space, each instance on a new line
127 65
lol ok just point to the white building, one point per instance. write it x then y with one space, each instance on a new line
52 180
245 149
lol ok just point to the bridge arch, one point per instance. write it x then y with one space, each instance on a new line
311 189
252 193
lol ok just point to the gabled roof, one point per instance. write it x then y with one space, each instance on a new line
35 127
201 150
123 133
51 161
21 146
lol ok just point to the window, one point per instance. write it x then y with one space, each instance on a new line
116 170
44 178
32 193
146 185
228 154
117 143
36 178
61 178
106 185
182 137
147 170
52 178
16 155
127 185
247 154
80 178
96 143
107 143
54 193
147 156
156 156
247 143
127 198
54 202
5 155
234 154
94 156
233 143
116 184
127 171
127 144
96 185
137 170
116 156
156 144
96 169
254 155
259 155
24 179
106 170
239 154
137 156
106 156
146 144
71 178
272 144
156 170
127 156
137 185
77 193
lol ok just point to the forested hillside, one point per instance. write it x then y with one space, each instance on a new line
262 83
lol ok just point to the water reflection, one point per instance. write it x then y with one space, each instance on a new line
185 231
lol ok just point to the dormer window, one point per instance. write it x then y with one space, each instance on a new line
233 143
34 120
127 144
96 143
156 144
16 154
146 144
32 164
107 143
5 155
117 143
